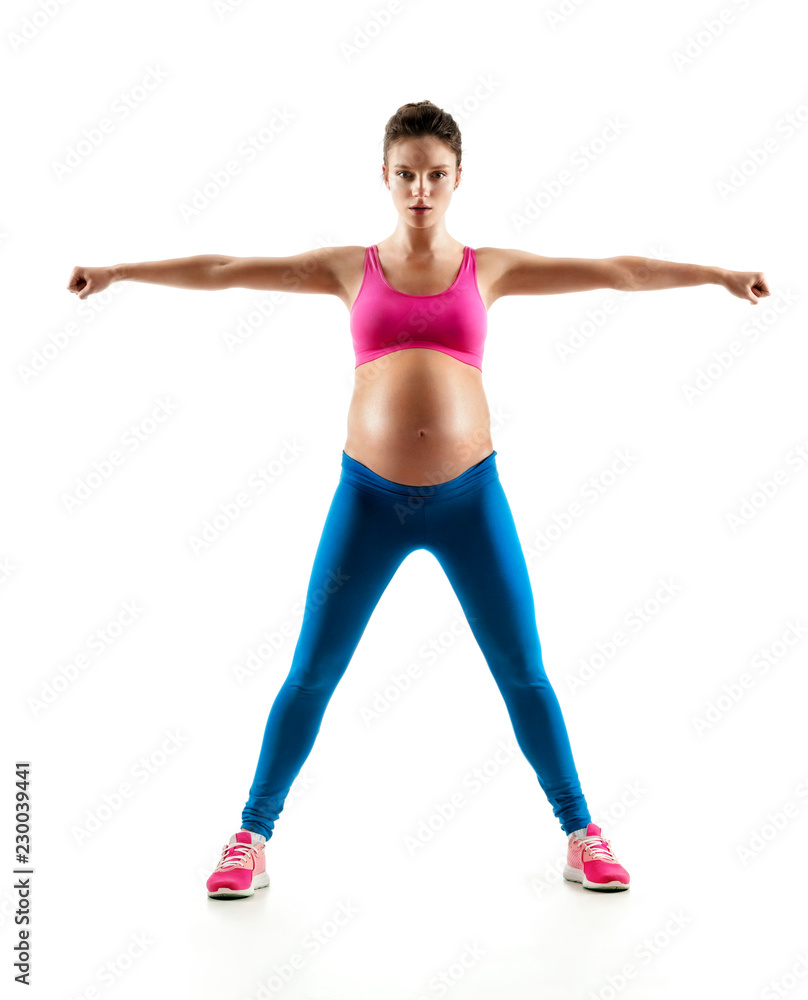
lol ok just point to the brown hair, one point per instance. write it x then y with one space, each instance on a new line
418 119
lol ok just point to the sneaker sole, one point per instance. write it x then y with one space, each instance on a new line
576 875
259 882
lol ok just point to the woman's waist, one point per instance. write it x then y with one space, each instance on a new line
433 482
418 453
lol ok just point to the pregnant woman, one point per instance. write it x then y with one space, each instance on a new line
418 469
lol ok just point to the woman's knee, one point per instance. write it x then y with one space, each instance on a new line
315 677
521 670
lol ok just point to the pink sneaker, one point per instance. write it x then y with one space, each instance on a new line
591 862
242 867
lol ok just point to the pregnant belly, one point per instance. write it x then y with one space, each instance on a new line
418 417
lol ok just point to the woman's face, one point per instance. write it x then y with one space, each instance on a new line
421 172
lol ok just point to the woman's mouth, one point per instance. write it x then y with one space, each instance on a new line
420 209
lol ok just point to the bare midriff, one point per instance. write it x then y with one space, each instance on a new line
418 416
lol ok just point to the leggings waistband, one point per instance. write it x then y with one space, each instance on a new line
363 478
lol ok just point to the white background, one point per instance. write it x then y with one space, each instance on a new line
529 92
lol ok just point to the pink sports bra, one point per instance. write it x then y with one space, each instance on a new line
383 319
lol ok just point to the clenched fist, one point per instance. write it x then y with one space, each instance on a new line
86 281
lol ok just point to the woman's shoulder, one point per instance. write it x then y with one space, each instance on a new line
492 263
346 260
347 264
492 254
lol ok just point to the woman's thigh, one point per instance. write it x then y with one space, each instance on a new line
474 538
361 546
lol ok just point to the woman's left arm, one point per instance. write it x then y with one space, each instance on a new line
519 272
649 274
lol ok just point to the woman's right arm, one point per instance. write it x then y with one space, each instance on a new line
312 271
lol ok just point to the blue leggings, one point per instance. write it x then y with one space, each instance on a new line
371 526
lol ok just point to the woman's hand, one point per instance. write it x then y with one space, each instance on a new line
749 285
86 281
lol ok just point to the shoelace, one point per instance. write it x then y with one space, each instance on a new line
236 856
599 848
